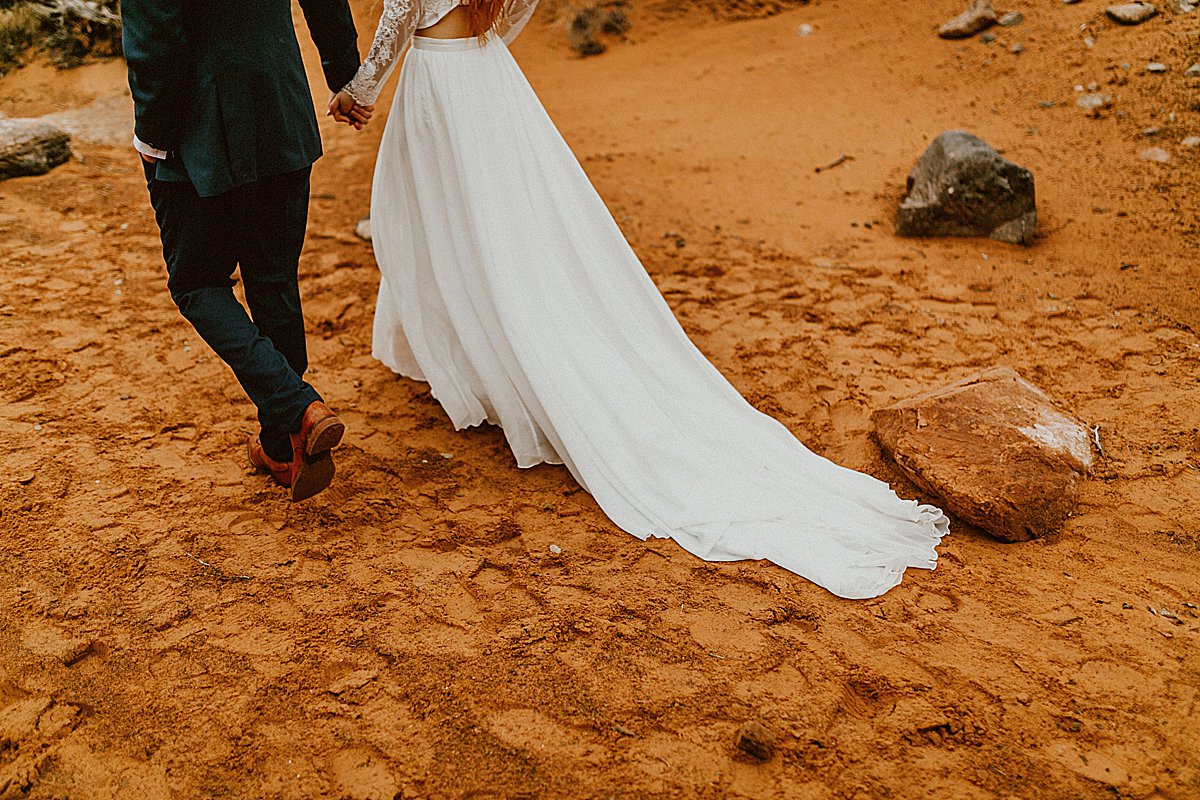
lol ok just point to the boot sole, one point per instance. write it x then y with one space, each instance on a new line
313 477
324 436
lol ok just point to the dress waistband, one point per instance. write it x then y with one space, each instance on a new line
449 45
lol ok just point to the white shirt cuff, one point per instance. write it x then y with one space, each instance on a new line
147 150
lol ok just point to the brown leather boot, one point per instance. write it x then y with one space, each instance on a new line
311 469
307 476
320 430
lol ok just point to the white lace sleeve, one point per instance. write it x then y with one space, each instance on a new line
516 14
396 27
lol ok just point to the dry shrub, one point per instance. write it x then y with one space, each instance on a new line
592 22
20 29
68 31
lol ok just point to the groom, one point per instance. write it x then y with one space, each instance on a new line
227 133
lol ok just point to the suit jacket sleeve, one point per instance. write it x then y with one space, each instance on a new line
155 47
332 29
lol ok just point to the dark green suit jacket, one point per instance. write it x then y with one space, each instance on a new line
220 85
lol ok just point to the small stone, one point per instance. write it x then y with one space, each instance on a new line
978 17
556 550
988 37
1012 19
1191 141
1155 154
1069 2
804 30
1131 13
1089 42
1193 71
1017 49
1151 131
756 739
1182 6
1156 66
363 229
1093 101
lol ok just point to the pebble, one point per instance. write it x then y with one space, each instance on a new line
1156 154
1193 71
988 37
1131 13
1155 66
1070 2
1093 100
1017 49
363 229
1151 131
757 740
1012 19
556 550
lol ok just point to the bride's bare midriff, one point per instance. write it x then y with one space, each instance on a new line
452 26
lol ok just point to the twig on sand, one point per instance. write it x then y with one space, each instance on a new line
837 162
1096 439
217 572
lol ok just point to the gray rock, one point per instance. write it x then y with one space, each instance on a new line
978 17
1155 66
995 451
1193 71
1191 141
1017 49
1069 2
31 147
988 37
1131 13
1012 19
1182 6
962 187
1155 154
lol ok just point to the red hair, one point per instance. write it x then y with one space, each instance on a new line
482 15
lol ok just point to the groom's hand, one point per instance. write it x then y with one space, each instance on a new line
343 108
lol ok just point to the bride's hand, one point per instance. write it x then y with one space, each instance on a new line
343 108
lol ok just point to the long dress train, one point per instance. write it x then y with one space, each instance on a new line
507 285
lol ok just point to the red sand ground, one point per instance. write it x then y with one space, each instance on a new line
170 626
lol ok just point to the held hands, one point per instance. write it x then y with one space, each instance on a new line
343 108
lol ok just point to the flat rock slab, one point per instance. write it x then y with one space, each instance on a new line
1131 13
30 147
994 449
962 186
978 17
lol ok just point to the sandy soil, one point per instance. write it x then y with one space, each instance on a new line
170 626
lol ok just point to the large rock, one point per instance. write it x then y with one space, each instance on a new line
994 449
978 17
1131 13
962 187
29 147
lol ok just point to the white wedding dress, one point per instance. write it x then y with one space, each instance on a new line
507 285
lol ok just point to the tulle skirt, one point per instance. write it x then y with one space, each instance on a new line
507 285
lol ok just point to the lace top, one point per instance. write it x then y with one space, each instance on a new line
401 19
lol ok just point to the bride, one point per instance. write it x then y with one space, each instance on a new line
508 287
